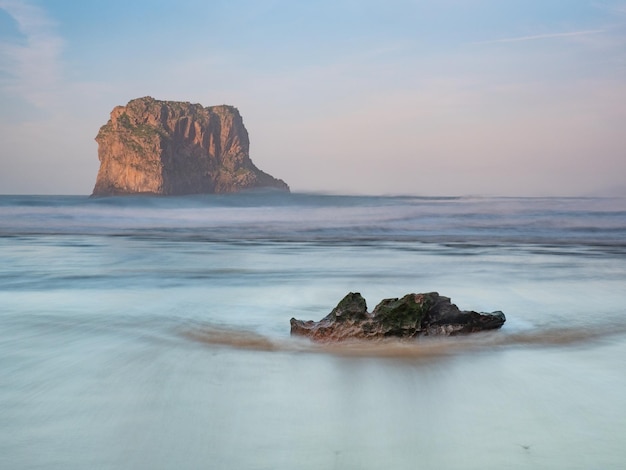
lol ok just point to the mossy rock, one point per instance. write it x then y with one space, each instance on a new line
399 315
351 307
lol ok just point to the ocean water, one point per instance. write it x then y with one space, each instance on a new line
153 333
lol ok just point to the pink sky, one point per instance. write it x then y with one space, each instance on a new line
462 98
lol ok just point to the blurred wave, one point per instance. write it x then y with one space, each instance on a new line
423 347
314 218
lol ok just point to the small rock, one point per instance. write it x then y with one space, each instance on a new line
413 315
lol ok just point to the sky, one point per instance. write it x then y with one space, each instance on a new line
416 97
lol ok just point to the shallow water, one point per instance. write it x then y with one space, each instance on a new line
154 333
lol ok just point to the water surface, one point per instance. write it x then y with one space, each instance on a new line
154 333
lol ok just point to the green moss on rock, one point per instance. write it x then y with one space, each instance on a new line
397 315
351 307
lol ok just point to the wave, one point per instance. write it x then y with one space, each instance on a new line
317 218
424 347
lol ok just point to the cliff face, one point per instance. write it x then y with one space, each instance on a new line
169 148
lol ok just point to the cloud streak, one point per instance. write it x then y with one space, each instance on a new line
32 65
536 37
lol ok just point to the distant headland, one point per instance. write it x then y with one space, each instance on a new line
174 148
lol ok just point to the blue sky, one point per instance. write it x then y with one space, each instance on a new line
448 97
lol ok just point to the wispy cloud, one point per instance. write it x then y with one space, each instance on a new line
536 37
32 63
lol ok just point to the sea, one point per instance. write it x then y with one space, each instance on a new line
153 333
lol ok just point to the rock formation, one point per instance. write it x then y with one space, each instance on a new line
170 148
411 316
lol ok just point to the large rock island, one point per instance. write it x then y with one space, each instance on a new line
173 148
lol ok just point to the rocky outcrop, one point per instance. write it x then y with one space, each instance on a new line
411 316
171 148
